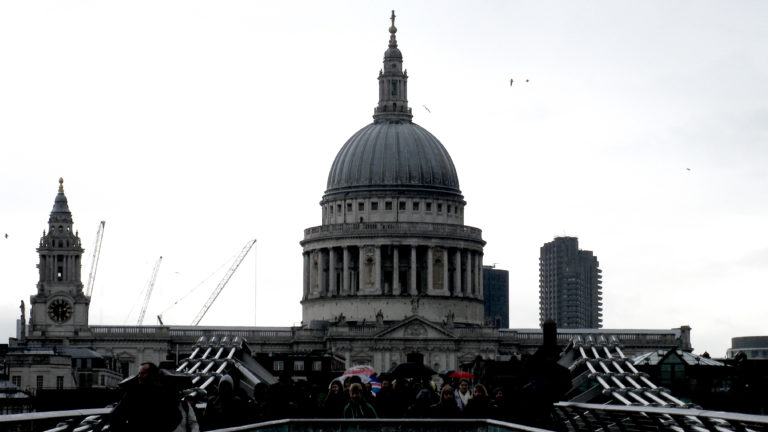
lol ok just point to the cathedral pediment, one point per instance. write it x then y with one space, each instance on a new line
415 327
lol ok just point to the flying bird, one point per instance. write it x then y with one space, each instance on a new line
425 107
6 235
686 168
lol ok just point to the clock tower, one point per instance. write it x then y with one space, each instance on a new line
59 310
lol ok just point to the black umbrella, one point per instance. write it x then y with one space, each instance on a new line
411 370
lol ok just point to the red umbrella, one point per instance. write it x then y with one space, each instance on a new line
461 375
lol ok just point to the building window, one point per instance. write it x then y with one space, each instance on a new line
59 382
415 206
361 206
331 208
317 365
388 205
394 87
101 380
449 208
16 380
429 206
402 205
439 207
39 382
338 208
374 205
349 207
298 365
278 365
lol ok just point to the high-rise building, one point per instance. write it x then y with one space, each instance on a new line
570 290
496 296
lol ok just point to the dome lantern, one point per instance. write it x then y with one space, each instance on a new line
393 84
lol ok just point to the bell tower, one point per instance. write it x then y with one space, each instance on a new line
60 308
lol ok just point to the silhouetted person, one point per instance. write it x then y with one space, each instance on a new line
357 406
225 409
386 403
148 404
335 401
546 382
420 407
259 409
502 408
480 406
281 398
446 407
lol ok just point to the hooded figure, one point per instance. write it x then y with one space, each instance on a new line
225 409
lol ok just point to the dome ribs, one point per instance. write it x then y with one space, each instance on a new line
387 155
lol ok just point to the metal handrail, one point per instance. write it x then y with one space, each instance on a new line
456 425
715 421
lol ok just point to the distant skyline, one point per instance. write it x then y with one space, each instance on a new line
192 127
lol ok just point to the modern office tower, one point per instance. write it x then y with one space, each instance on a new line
570 289
496 296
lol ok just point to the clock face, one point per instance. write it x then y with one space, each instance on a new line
59 310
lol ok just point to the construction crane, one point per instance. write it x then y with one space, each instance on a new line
223 282
150 285
95 259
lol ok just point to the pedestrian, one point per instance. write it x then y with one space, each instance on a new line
446 407
225 409
335 401
386 404
259 408
357 407
282 399
462 394
420 407
148 405
480 406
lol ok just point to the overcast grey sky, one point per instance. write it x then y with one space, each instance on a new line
191 127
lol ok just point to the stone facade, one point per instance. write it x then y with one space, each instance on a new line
393 243
391 270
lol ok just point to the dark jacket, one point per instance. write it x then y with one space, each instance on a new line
359 410
151 407
445 409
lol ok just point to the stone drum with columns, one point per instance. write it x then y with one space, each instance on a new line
393 243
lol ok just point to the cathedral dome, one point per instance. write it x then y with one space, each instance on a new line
393 155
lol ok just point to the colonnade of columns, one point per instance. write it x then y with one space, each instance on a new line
392 270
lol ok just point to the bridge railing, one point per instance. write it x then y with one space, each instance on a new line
55 420
579 417
94 420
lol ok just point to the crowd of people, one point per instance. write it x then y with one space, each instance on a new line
148 406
